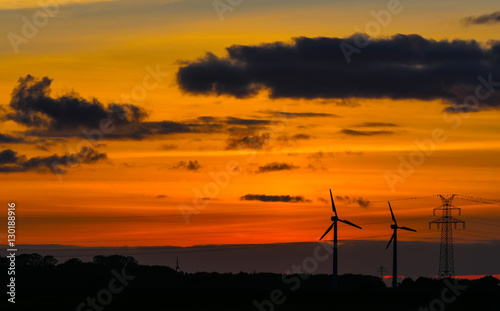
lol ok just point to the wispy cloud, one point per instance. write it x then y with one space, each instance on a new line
365 133
485 19
276 166
247 139
11 162
353 200
285 139
274 198
188 165
347 200
8 139
375 124
293 115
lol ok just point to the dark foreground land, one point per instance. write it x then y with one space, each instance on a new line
119 283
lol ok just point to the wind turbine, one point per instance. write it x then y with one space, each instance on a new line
335 219
177 268
395 247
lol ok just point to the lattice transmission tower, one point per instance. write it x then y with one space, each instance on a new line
447 222
381 270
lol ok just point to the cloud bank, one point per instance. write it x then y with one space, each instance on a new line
399 67
71 115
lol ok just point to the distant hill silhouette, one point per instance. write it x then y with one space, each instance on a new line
45 284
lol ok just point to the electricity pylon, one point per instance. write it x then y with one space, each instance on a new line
446 260
381 270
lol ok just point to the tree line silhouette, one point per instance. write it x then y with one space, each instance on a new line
45 284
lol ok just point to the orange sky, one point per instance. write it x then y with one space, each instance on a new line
102 49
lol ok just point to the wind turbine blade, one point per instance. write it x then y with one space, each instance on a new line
409 229
350 223
392 214
326 232
392 238
333 204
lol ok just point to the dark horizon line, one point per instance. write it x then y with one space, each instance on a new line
437 240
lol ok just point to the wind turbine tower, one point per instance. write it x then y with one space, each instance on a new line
446 260
334 220
395 247
177 268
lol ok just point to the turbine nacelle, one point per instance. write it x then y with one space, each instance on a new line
336 219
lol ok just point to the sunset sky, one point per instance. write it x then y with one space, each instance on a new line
192 123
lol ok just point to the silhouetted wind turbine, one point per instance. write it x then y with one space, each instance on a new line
177 268
335 219
395 247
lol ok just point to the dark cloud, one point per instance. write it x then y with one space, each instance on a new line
274 198
10 162
301 137
45 144
188 165
73 116
8 139
365 133
32 105
285 139
484 19
248 122
276 166
363 203
344 102
8 156
375 124
247 139
161 196
400 67
293 115
353 200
